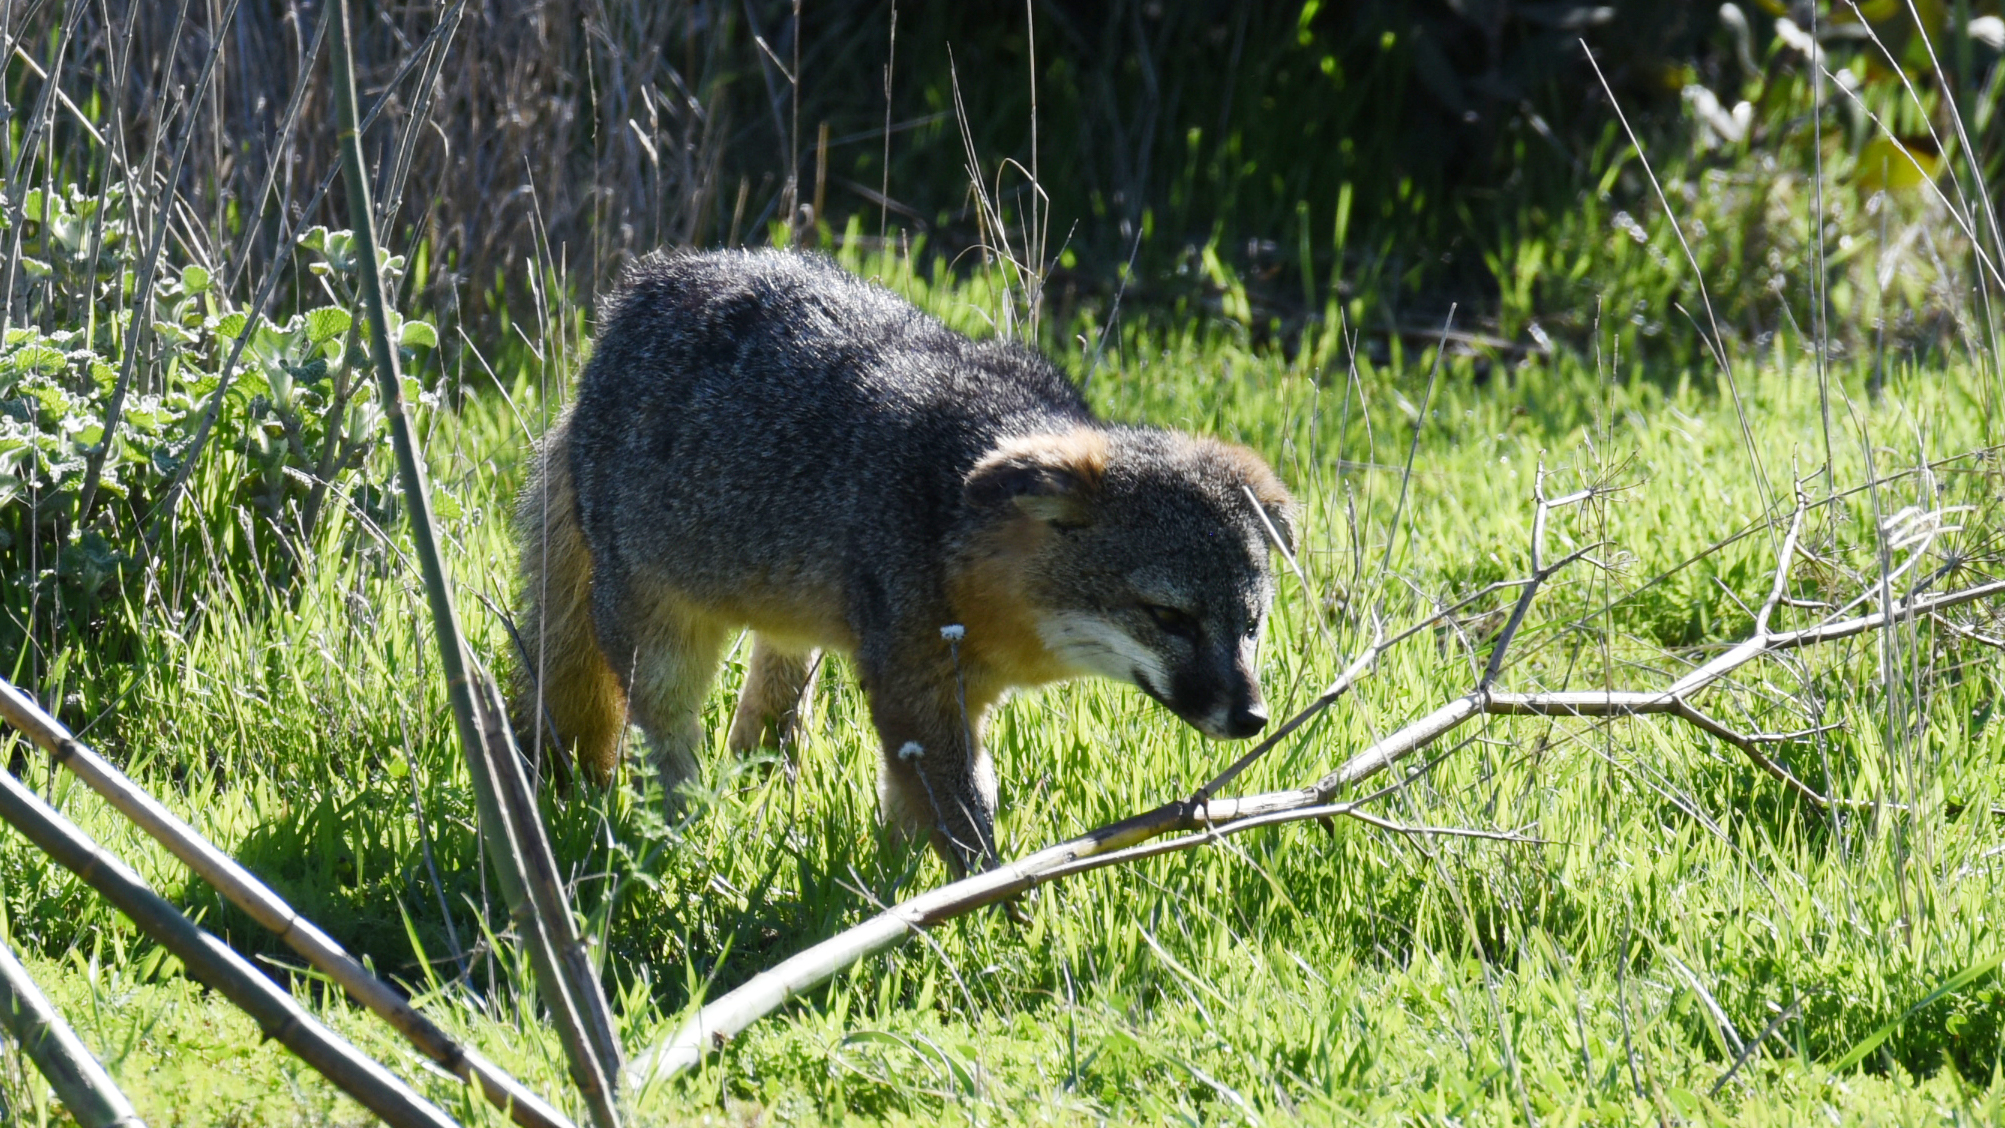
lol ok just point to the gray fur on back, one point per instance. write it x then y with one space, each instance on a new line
816 430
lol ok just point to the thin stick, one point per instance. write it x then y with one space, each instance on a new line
19 172
1540 573
437 44
212 963
1356 671
1419 734
86 1090
510 825
765 992
256 899
1114 844
289 121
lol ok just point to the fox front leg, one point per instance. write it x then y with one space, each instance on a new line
936 780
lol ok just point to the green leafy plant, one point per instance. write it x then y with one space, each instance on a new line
294 422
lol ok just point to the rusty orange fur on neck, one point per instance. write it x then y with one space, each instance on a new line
988 590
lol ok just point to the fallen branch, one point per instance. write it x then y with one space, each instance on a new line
80 1082
214 964
1130 839
255 898
1672 700
1125 841
1360 666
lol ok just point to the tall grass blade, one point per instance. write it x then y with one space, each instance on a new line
1950 986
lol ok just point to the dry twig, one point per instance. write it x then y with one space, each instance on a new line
1214 818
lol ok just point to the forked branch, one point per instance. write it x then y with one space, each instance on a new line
1203 818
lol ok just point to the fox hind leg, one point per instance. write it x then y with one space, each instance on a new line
671 666
774 703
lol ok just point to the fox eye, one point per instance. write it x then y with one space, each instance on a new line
1171 620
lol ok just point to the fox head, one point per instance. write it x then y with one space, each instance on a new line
1143 555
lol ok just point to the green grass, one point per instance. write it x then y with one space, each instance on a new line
1330 975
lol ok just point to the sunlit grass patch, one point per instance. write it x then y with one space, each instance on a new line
1680 903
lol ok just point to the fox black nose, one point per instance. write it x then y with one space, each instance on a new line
1246 720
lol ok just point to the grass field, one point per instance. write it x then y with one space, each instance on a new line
1683 940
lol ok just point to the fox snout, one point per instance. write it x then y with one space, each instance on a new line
1245 720
1217 691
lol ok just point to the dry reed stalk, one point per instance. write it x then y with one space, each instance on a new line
255 898
510 824
214 964
87 1092
23 163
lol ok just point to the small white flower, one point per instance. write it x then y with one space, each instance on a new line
953 632
912 750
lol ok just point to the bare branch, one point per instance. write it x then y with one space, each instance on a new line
1214 818
1784 557
1362 665
1126 841
1614 703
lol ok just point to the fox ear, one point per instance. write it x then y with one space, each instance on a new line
1051 477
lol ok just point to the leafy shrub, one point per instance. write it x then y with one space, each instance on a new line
272 417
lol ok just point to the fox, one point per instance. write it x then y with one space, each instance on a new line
762 441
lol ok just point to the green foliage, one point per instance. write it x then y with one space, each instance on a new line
1882 274
255 654
297 418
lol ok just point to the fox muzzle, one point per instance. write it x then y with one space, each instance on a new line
1218 693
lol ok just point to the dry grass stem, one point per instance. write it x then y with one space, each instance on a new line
244 890
213 963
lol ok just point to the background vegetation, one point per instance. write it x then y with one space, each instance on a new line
1250 220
